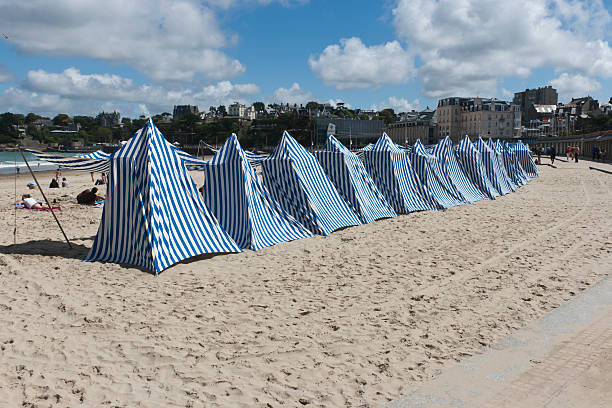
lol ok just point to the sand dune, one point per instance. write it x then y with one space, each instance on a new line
348 320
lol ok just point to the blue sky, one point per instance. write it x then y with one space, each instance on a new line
83 56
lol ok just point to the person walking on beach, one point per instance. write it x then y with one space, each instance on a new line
539 153
576 152
92 178
553 154
58 174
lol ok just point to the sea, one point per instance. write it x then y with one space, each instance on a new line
11 162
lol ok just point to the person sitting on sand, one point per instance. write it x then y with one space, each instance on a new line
89 197
64 182
53 184
31 203
102 180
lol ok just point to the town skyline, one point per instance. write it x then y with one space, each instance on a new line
84 57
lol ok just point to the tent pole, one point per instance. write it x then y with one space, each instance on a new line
45 197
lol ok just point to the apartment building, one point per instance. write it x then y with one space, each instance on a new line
541 96
457 117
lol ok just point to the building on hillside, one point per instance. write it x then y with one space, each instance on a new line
457 117
348 131
237 110
109 119
41 123
180 111
540 96
251 113
583 107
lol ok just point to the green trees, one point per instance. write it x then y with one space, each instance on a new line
388 115
62 120
8 126
259 106
103 135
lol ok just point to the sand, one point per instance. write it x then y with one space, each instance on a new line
353 319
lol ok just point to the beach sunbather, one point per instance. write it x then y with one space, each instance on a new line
31 203
53 184
89 197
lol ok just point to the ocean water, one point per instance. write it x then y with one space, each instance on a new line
10 161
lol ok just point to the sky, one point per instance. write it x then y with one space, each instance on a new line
141 57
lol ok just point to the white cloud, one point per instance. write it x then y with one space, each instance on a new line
5 75
352 64
466 46
18 100
226 4
397 104
506 93
168 40
334 103
74 92
295 94
574 85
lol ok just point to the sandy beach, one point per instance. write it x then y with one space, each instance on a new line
352 319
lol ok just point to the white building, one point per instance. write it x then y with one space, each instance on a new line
237 110
251 113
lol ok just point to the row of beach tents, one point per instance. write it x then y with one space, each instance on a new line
154 216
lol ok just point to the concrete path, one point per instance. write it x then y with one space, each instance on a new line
563 359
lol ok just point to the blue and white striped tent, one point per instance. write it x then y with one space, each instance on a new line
95 155
366 148
433 177
296 180
241 203
500 160
489 160
471 164
443 150
88 164
392 171
99 161
353 182
153 214
511 164
526 159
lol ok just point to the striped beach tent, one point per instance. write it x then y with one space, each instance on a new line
443 150
95 155
492 167
471 164
366 148
88 164
392 171
241 203
433 176
297 181
153 215
353 182
492 144
523 153
511 164
509 148
100 161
